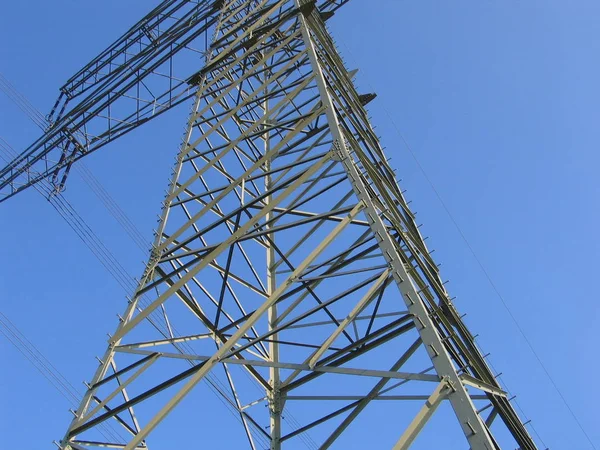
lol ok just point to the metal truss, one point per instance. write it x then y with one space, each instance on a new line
288 275
143 74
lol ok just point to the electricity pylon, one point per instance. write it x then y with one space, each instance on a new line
288 276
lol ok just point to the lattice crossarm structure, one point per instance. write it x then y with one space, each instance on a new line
143 74
288 270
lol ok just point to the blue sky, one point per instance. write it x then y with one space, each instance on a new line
497 100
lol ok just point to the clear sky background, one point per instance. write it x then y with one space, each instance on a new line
498 101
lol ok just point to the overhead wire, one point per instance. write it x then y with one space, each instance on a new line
65 209
88 177
112 206
32 353
115 269
22 103
122 218
10 331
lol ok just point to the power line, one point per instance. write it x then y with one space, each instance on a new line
88 177
64 208
48 370
107 259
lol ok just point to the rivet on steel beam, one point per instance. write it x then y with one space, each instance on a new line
471 427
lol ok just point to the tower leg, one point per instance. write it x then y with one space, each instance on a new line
472 426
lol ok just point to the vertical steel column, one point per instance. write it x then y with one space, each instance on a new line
275 400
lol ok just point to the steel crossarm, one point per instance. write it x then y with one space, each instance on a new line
146 72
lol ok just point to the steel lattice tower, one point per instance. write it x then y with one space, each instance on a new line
288 275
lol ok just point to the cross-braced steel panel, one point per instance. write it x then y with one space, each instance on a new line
288 279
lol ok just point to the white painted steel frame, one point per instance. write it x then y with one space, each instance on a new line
276 102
